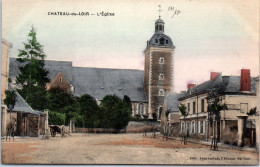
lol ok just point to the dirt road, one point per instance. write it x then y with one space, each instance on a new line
117 149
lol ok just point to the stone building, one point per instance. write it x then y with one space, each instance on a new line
97 82
239 93
4 80
158 69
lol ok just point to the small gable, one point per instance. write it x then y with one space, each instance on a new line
61 82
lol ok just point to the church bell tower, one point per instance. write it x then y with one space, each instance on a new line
158 69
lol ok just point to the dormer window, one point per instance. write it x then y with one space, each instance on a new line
161 76
156 40
161 92
161 60
60 79
162 41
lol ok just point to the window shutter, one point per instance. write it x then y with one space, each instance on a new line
199 127
195 125
204 126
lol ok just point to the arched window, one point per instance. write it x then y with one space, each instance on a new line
161 60
161 76
141 108
156 28
160 27
60 79
156 40
161 92
166 41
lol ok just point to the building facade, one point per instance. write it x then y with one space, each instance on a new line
97 82
237 126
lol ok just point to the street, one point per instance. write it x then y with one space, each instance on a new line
117 149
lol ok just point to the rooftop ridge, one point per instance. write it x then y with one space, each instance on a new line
108 68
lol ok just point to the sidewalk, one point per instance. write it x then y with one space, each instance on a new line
220 145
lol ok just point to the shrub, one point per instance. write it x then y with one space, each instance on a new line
56 118
78 119
116 111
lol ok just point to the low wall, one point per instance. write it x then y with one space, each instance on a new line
132 127
137 127
99 130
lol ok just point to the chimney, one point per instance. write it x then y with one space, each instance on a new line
189 86
245 80
213 75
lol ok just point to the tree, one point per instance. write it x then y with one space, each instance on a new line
33 76
127 102
184 113
77 118
89 110
183 110
56 118
10 99
116 111
214 108
60 101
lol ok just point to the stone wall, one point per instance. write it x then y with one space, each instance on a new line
132 127
229 132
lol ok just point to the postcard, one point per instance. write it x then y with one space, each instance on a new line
130 82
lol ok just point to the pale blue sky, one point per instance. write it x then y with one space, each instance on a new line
208 36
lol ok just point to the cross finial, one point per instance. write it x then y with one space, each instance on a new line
159 11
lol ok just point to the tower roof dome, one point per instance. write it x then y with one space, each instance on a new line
159 21
159 39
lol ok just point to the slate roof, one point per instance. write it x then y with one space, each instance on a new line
54 67
219 85
97 82
21 105
172 102
158 36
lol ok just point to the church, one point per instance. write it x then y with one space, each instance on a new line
147 89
